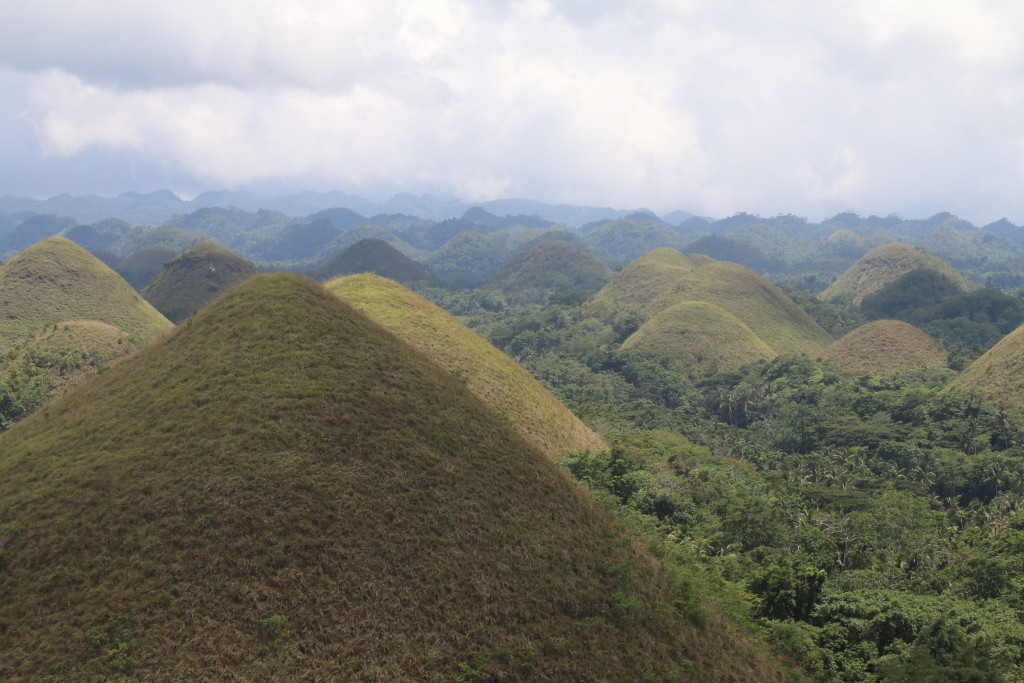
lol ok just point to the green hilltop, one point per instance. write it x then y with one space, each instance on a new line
191 280
998 374
700 339
56 280
552 267
753 299
282 490
372 255
884 347
506 388
740 303
640 282
883 265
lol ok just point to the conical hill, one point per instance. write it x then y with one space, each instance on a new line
700 339
505 387
999 372
639 283
194 278
374 256
552 267
282 490
754 300
883 347
882 265
56 280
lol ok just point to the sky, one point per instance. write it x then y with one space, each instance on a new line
709 106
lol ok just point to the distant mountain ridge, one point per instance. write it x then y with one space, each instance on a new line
157 207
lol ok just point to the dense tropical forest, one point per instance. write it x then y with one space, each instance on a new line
815 429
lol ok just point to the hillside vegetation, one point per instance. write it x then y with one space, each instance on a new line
507 389
552 267
883 347
57 280
191 280
53 361
883 265
282 490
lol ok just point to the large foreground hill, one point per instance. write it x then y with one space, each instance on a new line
282 490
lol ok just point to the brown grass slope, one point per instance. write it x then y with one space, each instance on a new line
282 490
762 306
56 280
885 346
553 267
999 372
634 287
506 388
700 339
194 278
883 265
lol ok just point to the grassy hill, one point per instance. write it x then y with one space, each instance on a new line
999 372
700 338
883 347
638 284
883 265
57 280
505 387
191 280
374 256
552 267
282 490
762 306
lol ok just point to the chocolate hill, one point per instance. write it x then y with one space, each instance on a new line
282 490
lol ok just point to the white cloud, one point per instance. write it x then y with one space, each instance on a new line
714 107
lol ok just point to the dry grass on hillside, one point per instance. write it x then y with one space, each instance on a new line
885 346
282 490
507 389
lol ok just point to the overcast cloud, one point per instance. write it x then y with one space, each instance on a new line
709 106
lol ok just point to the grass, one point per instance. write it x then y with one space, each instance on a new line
283 490
509 391
633 288
762 306
884 347
191 280
700 338
56 280
882 265
665 277
998 374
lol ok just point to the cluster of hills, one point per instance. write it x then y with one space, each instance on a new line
291 486
212 471
466 246
706 317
